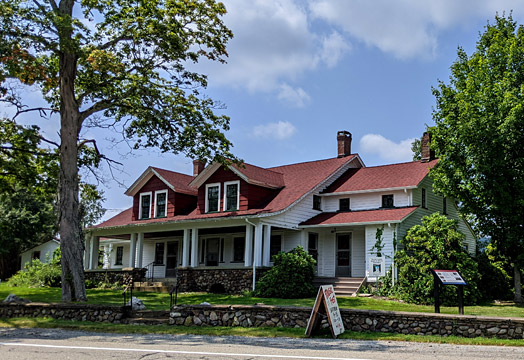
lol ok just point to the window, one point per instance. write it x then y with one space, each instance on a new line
231 196
161 203
343 204
444 206
222 250
276 246
317 202
212 197
239 246
203 252
387 201
312 245
159 253
424 198
145 206
36 255
119 255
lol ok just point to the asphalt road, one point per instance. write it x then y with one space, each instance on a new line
61 344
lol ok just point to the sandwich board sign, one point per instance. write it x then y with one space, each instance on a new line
326 306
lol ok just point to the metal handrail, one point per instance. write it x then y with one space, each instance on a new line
151 270
175 290
124 294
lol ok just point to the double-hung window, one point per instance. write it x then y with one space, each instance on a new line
424 201
343 204
161 203
212 197
387 201
119 255
239 246
317 202
145 206
275 246
231 195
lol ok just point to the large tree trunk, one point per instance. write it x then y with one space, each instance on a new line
518 284
71 237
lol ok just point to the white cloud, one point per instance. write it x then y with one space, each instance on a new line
405 28
386 149
274 44
279 130
294 96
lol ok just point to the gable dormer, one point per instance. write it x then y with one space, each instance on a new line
159 193
235 188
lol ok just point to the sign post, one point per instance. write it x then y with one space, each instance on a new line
326 306
448 277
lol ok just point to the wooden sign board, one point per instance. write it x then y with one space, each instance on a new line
326 306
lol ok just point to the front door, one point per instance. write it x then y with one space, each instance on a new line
171 258
213 246
343 255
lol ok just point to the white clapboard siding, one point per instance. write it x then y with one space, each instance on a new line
365 201
387 242
326 254
46 252
290 240
109 262
358 252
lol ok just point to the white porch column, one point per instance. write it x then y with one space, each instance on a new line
95 245
185 248
132 250
248 251
194 247
139 250
267 245
304 239
258 245
87 252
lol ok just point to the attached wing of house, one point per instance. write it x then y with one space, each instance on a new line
223 222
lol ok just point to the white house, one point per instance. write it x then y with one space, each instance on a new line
42 252
220 223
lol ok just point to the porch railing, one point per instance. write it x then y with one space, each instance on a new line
151 270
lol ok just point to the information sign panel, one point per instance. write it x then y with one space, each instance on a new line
377 266
449 277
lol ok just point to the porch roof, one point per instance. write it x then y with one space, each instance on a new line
360 217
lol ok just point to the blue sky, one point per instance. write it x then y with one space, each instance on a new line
299 71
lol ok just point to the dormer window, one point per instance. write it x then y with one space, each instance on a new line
145 206
317 202
343 204
231 196
212 197
160 203
387 201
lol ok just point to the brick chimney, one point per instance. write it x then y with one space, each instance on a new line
343 143
426 154
198 166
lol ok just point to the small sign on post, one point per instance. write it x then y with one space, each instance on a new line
448 277
326 306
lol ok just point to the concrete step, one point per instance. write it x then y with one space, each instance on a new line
156 289
344 286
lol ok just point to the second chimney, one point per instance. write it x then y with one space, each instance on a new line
198 166
426 154
343 143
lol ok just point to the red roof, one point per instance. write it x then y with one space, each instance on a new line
382 177
261 176
179 181
299 179
359 217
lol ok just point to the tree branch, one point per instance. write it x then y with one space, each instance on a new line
114 42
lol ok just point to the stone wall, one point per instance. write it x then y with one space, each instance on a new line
114 275
230 281
356 320
79 312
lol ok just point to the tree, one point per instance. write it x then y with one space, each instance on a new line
435 244
479 137
115 64
416 149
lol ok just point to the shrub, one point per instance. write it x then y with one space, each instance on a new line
436 244
39 274
290 277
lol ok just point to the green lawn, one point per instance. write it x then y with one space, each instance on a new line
155 301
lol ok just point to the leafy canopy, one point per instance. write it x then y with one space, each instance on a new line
479 135
435 244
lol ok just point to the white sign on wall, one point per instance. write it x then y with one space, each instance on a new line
377 266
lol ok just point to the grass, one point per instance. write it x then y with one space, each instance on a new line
48 323
154 301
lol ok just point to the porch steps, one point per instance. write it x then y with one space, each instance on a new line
154 286
149 317
344 286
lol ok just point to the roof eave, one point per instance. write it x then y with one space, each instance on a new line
399 188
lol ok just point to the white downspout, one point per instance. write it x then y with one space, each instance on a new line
254 267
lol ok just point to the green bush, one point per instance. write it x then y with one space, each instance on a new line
290 277
436 244
39 274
